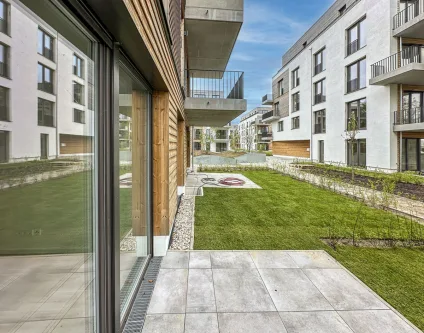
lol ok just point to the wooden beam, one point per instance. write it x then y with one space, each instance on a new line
160 163
139 163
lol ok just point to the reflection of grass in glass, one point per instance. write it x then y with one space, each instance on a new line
53 216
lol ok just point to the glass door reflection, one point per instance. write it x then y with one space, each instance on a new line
134 152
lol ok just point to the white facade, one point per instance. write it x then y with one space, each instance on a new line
22 123
381 101
213 139
252 130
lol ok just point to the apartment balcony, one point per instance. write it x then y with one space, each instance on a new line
214 98
270 116
212 28
410 21
405 67
267 99
409 120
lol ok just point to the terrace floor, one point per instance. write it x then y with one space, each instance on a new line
265 291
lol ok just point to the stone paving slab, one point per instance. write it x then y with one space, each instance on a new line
265 292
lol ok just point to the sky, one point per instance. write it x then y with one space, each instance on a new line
269 29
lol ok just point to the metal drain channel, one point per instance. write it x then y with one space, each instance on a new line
137 316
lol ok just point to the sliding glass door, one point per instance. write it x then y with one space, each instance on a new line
134 181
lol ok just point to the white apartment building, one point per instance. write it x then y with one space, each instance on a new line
254 134
213 139
48 94
361 59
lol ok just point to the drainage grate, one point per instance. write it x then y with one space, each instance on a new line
138 312
131 279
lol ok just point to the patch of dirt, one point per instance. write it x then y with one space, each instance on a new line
407 190
374 243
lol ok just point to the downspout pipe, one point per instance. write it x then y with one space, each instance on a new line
311 144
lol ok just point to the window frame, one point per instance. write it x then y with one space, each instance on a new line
43 122
44 82
322 98
358 113
358 74
5 71
74 83
359 144
357 26
296 103
6 19
316 64
295 122
43 52
320 115
5 113
280 126
280 85
75 67
295 78
81 112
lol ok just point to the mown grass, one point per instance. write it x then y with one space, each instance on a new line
289 214
52 217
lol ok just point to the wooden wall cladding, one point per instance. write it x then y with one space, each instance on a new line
291 148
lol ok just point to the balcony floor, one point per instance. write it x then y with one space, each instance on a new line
265 291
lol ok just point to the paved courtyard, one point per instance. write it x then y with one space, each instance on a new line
265 292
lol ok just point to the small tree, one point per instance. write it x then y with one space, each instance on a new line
250 139
234 139
206 138
351 133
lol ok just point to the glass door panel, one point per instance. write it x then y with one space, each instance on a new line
134 142
412 156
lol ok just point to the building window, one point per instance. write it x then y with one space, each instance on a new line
356 118
357 153
319 62
281 126
4 60
220 147
77 64
45 44
295 102
4 17
319 92
197 146
221 134
295 78
295 122
4 104
4 146
45 79
45 113
320 122
79 116
356 75
356 37
78 93
280 87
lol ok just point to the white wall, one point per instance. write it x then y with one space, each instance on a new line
24 132
381 100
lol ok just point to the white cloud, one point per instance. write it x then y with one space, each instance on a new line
242 57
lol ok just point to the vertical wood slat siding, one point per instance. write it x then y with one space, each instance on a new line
146 15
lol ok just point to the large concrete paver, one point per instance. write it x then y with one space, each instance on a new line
266 292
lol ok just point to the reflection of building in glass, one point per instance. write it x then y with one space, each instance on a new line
125 132
48 97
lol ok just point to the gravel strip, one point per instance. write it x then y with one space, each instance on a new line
128 244
181 236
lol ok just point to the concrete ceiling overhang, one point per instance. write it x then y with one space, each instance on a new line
411 74
212 30
214 112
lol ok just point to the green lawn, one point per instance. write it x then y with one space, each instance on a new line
53 216
289 214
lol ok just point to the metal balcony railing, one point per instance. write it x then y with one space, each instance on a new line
409 116
268 114
319 98
266 98
409 55
404 16
214 84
